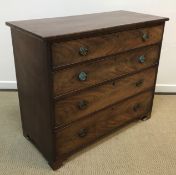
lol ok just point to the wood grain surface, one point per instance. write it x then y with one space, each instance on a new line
65 27
67 108
84 131
64 53
32 71
67 80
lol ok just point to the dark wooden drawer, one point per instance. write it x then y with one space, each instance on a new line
85 131
74 51
88 74
70 108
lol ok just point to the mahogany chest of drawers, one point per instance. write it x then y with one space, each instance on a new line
81 77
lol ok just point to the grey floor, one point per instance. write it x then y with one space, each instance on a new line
147 148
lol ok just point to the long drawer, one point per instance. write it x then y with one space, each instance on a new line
89 129
73 107
74 51
87 74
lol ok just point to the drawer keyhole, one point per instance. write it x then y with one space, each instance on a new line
82 132
136 107
139 83
82 104
113 83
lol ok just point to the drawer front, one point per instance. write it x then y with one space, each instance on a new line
88 74
70 108
69 52
89 129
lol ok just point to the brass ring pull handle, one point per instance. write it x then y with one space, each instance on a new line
141 59
83 51
82 76
136 107
83 104
145 36
82 132
139 83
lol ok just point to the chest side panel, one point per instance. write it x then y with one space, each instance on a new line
33 81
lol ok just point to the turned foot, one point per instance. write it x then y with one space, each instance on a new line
145 117
26 136
56 165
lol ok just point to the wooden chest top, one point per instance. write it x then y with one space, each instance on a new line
62 27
